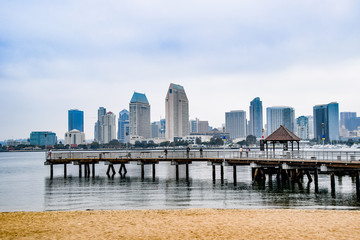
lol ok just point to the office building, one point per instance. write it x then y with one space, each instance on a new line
277 116
139 116
74 138
155 129
349 121
311 126
108 127
97 133
123 126
256 118
302 123
176 112
235 124
326 122
197 126
75 120
43 138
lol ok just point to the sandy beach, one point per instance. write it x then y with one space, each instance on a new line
182 224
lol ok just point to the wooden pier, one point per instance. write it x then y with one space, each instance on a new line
287 166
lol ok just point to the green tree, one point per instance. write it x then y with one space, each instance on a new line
94 145
198 141
250 139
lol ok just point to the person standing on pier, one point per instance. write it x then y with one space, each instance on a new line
241 150
165 151
187 152
201 152
49 154
247 152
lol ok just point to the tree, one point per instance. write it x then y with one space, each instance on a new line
94 145
198 141
250 139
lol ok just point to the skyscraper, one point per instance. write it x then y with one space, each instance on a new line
276 116
326 122
256 118
108 127
123 126
176 112
139 116
235 124
302 127
97 129
76 120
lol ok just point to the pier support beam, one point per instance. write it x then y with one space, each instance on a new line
357 183
222 173
234 174
187 172
93 170
65 169
213 173
177 172
80 172
316 180
332 180
110 167
153 171
51 171
142 171
122 167
308 175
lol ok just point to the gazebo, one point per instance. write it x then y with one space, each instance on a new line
282 135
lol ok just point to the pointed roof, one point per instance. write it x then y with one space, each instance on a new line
139 98
282 134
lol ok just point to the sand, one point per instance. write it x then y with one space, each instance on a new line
182 224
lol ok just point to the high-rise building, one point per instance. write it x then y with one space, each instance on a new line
97 130
123 126
139 116
75 120
256 118
197 126
108 127
302 127
162 129
176 112
194 126
43 138
155 129
277 116
349 121
326 122
235 124
311 126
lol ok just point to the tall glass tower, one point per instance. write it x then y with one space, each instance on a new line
256 118
76 120
123 126
235 124
277 116
326 122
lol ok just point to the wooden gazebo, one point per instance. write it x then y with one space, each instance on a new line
282 135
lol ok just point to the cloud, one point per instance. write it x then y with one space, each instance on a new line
87 54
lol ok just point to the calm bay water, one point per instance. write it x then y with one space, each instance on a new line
25 186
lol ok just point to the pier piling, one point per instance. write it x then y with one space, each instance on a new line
234 174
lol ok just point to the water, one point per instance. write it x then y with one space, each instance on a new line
25 186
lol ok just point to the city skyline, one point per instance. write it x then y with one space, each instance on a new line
82 56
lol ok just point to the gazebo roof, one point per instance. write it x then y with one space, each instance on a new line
282 134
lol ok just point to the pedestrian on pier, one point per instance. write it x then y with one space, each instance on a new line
187 152
165 151
201 152
49 154
247 152
241 150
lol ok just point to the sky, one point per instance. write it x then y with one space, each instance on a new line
61 55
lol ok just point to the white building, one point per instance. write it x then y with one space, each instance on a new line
74 137
108 127
139 116
176 112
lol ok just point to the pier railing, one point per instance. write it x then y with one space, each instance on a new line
340 156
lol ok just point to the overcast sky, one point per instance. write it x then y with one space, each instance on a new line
59 55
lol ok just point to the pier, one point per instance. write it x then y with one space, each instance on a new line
285 166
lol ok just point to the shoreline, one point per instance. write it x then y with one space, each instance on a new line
182 224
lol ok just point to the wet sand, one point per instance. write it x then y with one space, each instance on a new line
182 224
